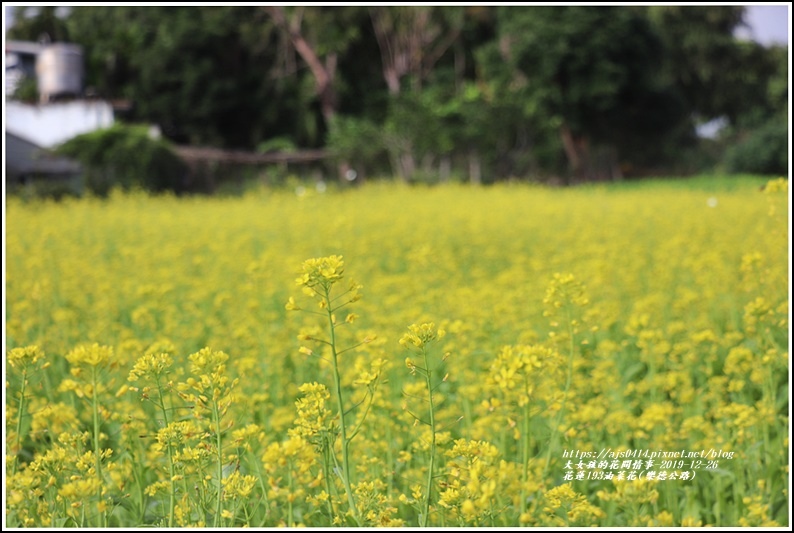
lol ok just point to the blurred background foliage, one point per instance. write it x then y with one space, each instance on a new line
429 93
127 157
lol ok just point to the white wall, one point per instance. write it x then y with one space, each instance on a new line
48 125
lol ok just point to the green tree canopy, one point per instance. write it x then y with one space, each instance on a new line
587 92
591 72
205 75
38 23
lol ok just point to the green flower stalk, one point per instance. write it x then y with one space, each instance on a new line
562 296
418 340
212 393
95 358
25 361
312 423
154 367
318 278
515 375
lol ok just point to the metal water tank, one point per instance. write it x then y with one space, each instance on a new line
59 70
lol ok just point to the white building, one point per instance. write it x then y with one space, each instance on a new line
32 129
48 125
20 63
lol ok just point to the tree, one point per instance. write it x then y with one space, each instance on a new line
720 77
492 91
758 142
39 23
700 55
205 75
412 40
591 72
326 34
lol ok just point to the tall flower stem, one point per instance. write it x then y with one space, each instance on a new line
261 476
212 392
290 486
524 457
317 278
327 451
97 449
218 444
568 381
429 490
171 469
20 416
345 474
417 340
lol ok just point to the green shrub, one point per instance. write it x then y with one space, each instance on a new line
276 144
27 90
125 156
763 151
358 142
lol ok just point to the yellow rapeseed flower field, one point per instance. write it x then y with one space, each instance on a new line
512 355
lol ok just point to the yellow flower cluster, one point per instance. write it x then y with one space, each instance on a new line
312 414
565 507
91 355
634 491
152 365
517 370
374 505
665 328
420 335
238 486
211 384
776 185
176 433
321 272
25 357
564 289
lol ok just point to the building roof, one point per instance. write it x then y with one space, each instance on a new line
23 47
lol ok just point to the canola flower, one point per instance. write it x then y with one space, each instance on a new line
318 278
92 358
92 355
419 338
666 328
564 507
210 390
23 363
25 357
312 414
321 272
518 375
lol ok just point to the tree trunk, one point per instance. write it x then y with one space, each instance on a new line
616 174
324 72
326 91
569 145
395 165
444 168
475 167
577 150
408 165
392 80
